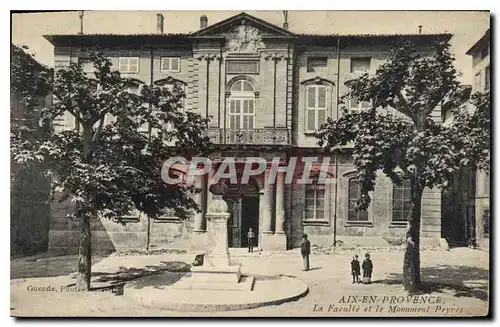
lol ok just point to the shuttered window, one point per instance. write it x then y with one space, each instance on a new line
316 64
128 64
242 106
170 64
241 114
86 64
355 105
315 107
360 65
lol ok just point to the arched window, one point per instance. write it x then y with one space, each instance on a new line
354 195
242 106
169 83
134 86
318 98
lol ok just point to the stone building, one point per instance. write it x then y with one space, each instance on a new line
267 90
480 53
466 205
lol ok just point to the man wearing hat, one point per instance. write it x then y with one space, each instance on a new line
305 250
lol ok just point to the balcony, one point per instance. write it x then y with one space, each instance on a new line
259 136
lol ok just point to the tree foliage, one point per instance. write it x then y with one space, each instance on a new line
28 78
108 167
400 136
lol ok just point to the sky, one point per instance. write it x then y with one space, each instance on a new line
466 26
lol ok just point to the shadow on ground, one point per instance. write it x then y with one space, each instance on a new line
47 265
168 272
464 281
125 274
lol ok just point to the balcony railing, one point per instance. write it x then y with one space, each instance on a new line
260 136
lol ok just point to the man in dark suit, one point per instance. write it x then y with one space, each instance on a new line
305 250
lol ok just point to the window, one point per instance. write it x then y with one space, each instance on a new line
170 86
315 202
170 64
360 65
354 195
487 78
242 67
178 86
355 105
315 107
128 64
87 65
134 88
477 82
242 106
316 64
401 203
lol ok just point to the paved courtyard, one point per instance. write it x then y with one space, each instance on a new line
456 283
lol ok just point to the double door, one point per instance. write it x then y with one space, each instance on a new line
244 214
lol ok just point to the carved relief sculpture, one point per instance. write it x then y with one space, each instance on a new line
244 39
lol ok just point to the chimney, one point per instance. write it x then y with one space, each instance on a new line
203 22
159 23
81 22
419 29
285 21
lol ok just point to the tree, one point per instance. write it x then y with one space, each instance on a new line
30 85
397 136
107 167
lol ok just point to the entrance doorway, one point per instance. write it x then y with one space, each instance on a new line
243 205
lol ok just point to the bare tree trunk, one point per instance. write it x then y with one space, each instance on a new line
148 235
411 265
84 255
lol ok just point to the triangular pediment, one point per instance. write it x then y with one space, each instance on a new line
241 22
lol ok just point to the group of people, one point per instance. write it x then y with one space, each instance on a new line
367 269
305 250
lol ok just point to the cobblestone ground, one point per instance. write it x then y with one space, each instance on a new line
456 279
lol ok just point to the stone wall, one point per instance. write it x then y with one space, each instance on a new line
378 230
109 236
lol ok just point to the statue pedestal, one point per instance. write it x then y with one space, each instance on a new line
217 272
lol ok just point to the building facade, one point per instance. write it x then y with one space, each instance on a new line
480 53
266 91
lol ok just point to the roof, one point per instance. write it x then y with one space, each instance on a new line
25 56
482 42
246 16
209 31
96 39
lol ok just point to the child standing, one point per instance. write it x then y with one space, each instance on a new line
367 269
355 269
250 237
